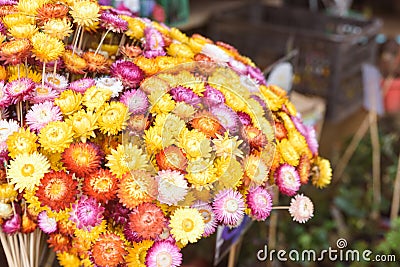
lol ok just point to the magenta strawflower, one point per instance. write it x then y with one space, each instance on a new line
56 81
128 72
4 157
228 207
256 74
12 225
87 213
8 2
4 98
210 223
136 100
244 118
183 94
3 29
43 93
301 208
131 235
227 117
163 253
46 223
287 179
81 85
259 201
20 89
117 212
41 114
113 22
213 96
154 43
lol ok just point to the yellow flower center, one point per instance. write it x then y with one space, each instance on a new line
42 90
164 259
54 80
231 205
55 189
27 170
187 225
101 184
82 159
206 215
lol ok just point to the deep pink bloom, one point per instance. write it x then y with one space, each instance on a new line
259 202
4 98
154 43
256 74
244 118
183 94
287 179
20 89
13 225
117 212
128 72
87 213
213 96
113 22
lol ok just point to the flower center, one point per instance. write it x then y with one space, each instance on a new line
55 189
53 80
206 215
187 225
27 170
260 200
42 90
231 205
101 184
164 259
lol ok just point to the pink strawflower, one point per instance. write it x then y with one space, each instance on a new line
213 96
20 89
81 85
227 117
13 225
256 74
41 114
210 223
128 72
301 208
259 202
183 94
3 153
228 207
287 179
154 43
163 253
43 93
244 118
136 100
8 2
113 22
46 223
298 123
87 213
4 97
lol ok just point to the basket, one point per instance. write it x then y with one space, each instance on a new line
331 49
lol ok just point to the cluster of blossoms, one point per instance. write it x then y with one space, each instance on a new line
123 153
